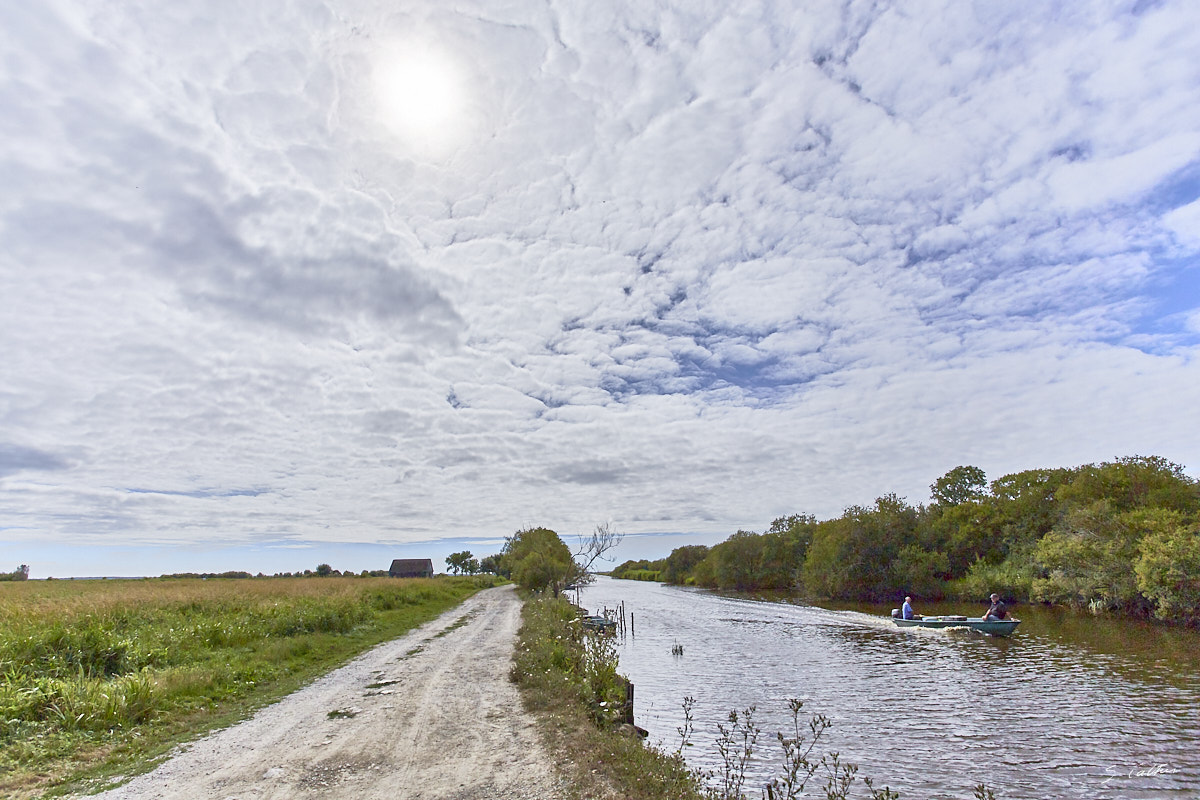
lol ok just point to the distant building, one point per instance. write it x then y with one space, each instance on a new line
411 568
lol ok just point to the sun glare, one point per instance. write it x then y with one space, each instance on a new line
420 94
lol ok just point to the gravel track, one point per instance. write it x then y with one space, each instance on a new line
429 715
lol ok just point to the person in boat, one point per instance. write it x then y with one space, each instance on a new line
906 611
997 610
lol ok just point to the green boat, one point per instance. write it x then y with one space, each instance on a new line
598 623
992 627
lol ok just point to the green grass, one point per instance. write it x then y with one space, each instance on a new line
458 623
100 679
569 682
641 575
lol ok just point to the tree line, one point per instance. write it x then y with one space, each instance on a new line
21 573
1120 535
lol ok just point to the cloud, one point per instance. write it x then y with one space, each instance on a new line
687 268
15 458
1184 223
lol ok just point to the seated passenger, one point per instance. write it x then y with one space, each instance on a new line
997 611
906 612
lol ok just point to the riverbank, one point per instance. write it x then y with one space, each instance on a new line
1052 711
568 679
105 678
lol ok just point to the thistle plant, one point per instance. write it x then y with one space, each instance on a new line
797 768
736 744
685 730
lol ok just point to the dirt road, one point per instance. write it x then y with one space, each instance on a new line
429 715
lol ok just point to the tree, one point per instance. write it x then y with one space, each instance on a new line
1168 568
459 562
966 532
921 572
1026 503
785 545
1115 516
826 572
19 574
1134 482
793 523
958 486
324 570
630 566
593 549
736 562
682 561
1089 557
490 564
852 557
538 560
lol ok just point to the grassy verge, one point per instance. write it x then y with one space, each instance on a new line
568 680
103 678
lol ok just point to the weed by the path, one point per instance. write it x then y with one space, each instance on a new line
458 623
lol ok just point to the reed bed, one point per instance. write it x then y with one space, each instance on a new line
100 677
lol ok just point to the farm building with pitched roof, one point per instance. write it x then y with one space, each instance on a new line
411 568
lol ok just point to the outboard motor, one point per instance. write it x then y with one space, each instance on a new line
895 613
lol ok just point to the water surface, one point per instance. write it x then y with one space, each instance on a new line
1069 707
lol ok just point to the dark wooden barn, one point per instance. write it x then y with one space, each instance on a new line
411 568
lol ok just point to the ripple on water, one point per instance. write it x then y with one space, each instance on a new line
1066 708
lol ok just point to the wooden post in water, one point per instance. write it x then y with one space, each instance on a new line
629 702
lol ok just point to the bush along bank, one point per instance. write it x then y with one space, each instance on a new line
569 680
637 571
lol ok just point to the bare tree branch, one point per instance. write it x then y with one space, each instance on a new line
593 549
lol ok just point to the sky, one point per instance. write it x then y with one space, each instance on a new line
309 282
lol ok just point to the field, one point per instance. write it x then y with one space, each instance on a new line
103 678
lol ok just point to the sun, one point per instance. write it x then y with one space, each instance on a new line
420 93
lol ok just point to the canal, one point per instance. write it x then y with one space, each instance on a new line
1071 706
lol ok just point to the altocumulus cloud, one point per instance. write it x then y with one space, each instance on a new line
685 268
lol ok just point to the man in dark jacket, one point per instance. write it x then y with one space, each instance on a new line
997 611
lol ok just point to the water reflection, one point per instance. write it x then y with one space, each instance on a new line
1068 707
